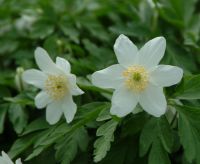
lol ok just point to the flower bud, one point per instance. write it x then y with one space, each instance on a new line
18 79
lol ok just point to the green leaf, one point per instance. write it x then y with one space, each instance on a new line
36 152
18 117
103 143
177 12
89 112
191 33
147 136
189 131
158 154
124 151
104 115
134 124
21 145
3 111
156 129
67 147
41 29
190 89
70 32
177 55
166 135
82 138
36 125
8 45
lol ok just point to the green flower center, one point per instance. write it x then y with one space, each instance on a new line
136 78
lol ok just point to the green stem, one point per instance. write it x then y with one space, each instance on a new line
174 119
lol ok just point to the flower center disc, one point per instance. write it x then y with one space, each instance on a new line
56 86
136 78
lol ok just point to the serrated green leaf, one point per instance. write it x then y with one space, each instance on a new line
18 117
191 88
189 131
103 143
38 124
67 147
21 145
35 153
104 115
153 129
158 154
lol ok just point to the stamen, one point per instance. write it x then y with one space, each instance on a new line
56 86
136 78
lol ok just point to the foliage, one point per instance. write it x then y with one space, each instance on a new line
83 32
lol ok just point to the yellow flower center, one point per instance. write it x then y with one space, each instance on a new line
136 78
56 86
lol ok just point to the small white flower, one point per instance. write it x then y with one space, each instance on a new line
57 85
5 159
138 78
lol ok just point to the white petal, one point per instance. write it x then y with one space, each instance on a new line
18 161
123 102
74 89
125 51
63 64
6 158
3 161
69 108
166 75
35 77
44 62
54 112
42 99
152 52
110 77
153 101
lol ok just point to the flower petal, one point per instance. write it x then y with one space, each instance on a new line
125 51
69 108
166 75
35 77
63 64
44 62
18 161
153 101
74 89
53 112
42 99
123 102
152 52
110 77
2 160
6 158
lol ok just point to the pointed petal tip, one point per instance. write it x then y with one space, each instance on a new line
119 39
51 123
93 78
180 74
114 113
69 121
122 36
81 92
160 114
3 153
37 50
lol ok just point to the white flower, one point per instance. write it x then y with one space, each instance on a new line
4 159
138 78
57 86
